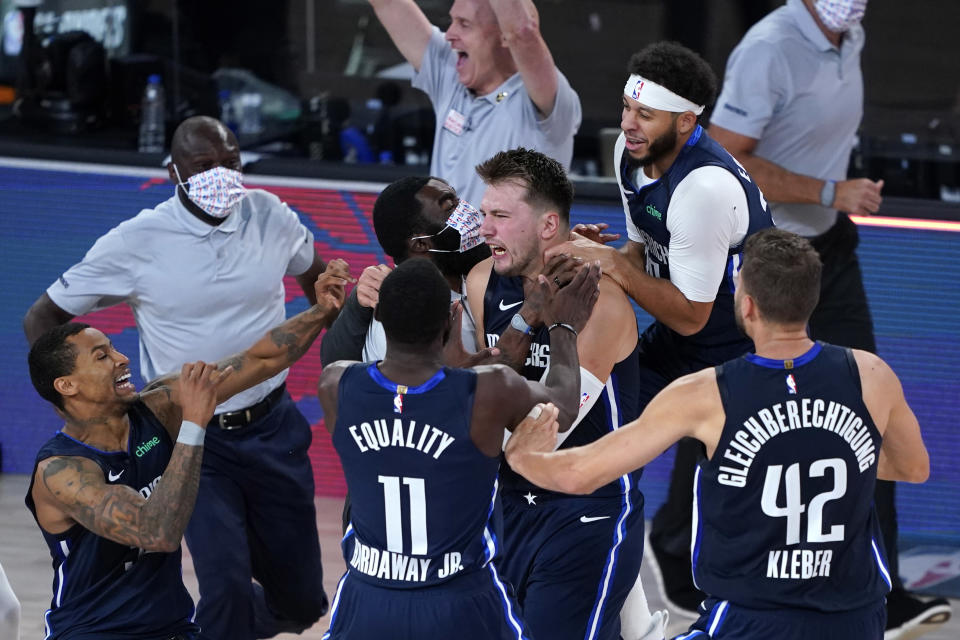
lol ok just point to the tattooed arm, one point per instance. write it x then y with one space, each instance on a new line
280 348
69 489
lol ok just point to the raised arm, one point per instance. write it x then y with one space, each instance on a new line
689 406
503 397
345 338
566 315
43 315
73 489
407 25
520 25
274 352
903 456
514 345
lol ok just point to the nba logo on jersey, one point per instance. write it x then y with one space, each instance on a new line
791 384
636 90
398 403
584 397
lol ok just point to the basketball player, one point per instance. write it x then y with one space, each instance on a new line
583 552
113 528
689 207
420 446
786 540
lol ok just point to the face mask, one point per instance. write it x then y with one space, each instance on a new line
216 191
466 221
839 15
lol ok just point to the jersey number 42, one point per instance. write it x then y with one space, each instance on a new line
794 506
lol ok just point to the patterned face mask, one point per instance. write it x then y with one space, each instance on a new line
466 220
216 191
839 15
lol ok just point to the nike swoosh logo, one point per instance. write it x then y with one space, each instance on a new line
586 519
504 307
112 477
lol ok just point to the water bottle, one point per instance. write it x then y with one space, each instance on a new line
152 117
251 122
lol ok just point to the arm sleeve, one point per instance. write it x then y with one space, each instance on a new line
708 215
590 389
754 88
618 148
103 278
298 238
564 120
344 339
437 76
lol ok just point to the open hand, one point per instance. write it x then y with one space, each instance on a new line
558 271
198 390
594 233
574 303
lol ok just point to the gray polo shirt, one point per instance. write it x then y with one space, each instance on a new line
197 292
801 98
471 129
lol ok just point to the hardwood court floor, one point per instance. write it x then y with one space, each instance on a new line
26 561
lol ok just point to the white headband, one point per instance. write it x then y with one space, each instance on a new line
657 96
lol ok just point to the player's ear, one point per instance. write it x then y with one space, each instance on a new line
65 386
419 246
549 225
686 122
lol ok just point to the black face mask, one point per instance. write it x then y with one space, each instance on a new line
460 264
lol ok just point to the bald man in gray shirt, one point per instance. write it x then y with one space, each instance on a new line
789 110
492 81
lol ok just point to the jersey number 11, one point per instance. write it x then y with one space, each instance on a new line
393 514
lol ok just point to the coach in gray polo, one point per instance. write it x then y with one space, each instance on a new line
789 110
203 273
492 82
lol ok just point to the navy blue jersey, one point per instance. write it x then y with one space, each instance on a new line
421 492
617 405
103 589
719 340
784 512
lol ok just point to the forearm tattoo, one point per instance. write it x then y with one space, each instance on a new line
297 334
119 512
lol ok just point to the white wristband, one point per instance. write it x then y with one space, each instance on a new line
191 434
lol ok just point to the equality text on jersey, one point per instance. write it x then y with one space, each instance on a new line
395 432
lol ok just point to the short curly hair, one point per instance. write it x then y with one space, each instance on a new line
677 68
51 357
398 215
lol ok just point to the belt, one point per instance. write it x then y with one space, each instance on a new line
231 420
